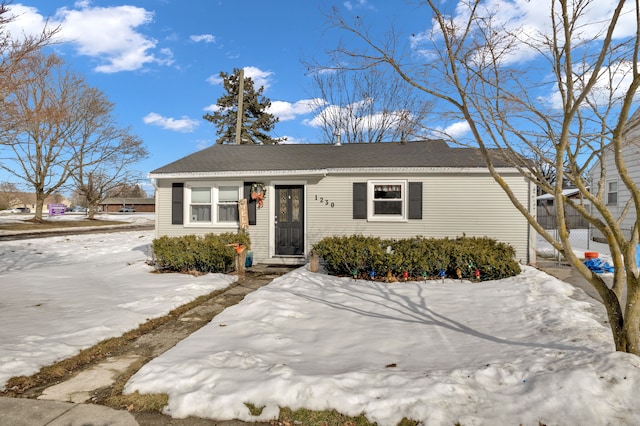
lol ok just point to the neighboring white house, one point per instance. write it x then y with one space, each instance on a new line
616 194
390 190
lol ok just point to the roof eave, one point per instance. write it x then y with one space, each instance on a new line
325 172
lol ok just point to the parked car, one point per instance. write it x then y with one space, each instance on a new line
21 210
127 209
79 209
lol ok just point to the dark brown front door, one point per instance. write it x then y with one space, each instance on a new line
289 220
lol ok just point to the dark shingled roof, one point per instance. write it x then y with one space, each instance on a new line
230 158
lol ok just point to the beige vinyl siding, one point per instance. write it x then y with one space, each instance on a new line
259 232
453 205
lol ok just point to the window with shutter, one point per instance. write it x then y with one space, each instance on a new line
177 203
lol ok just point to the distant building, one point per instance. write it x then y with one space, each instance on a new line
141 205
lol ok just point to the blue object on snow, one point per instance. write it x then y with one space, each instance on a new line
638 255
598 266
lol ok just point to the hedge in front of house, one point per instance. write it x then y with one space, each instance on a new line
191 253
417 257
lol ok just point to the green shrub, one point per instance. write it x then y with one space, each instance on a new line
191 253
417 257
354 255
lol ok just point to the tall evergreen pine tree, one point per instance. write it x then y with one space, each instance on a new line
256 122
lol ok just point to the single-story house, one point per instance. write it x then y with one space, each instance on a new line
616 194
311 191
144 205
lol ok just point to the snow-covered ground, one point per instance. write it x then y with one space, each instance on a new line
522 350
63 294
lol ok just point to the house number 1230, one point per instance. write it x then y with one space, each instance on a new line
324 201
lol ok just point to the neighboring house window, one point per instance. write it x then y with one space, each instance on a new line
213 204
612 192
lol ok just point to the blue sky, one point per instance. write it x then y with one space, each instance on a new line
159 60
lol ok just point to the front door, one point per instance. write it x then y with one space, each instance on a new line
289 220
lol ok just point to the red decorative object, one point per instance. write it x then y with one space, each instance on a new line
258 192
477 274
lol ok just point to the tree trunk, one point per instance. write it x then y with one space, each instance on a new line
632 315
39 203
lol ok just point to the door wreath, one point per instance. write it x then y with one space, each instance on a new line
258 193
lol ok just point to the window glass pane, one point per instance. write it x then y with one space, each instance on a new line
228 213
612 193
387 207
387 192
295 205
201 213
201 195
228 194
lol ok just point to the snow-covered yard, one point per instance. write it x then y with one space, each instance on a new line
63 294
522 350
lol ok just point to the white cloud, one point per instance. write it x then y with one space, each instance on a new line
27 21
206 38
212 108
286 111
183 125
259 77
355 4
531 23
611 86
108 34
457 130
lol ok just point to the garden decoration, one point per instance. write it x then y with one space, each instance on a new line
459 273
258 192
442 275
240 256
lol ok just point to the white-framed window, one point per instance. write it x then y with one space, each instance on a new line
211 203
228 197
387 200
200 205
612 192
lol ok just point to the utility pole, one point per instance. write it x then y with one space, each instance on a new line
240 114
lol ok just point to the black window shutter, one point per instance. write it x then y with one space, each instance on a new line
359 200
251 204
415 200
177 200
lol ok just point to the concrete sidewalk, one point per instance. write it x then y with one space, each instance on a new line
35 412
568 274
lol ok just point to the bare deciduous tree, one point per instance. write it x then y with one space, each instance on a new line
104 153
569 81
14 49
61 128
364 105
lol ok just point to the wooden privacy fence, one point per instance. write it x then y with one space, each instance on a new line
548 220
